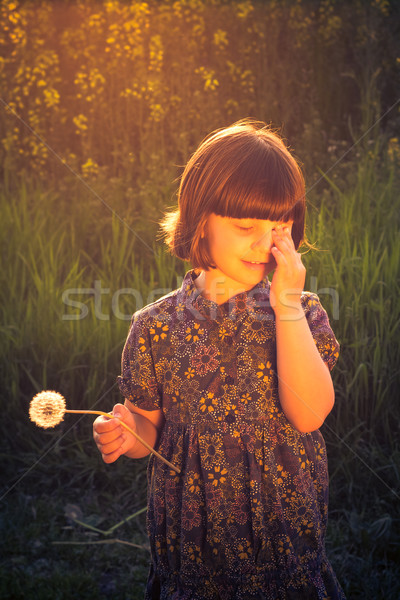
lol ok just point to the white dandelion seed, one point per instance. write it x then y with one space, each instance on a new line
47 409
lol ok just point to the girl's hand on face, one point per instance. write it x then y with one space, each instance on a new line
289 276
111 438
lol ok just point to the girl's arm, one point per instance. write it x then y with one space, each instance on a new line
305 386
113 440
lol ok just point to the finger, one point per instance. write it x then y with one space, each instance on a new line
108 447
280 260
279 257
112 456
288 236
110 452
283 240
279 238
122 413
104 424
115 447
287 253
119 411
103 439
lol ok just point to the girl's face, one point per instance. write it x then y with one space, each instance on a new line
241 251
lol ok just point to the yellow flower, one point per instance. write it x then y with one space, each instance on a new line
220 38
142 345
190 373
393 149
81 123
218 476
265 372
208 75
193 333
47 409
245 398
208 403
90 168
159 331
194 553
51 97
193 482
245 550
282 475
284 546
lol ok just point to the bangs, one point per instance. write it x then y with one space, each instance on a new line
259 188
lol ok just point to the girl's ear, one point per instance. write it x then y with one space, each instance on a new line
203 230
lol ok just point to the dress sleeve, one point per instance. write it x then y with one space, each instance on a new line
137 381
321 330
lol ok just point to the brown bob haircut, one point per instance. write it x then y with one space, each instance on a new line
243 171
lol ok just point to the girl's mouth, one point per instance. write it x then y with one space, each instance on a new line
254 265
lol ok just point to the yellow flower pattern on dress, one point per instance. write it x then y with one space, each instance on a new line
159 331
246 517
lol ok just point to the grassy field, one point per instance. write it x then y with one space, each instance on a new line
68 522
100 109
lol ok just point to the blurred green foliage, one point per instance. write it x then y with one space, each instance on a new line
125 90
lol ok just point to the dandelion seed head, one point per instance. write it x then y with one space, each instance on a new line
47 409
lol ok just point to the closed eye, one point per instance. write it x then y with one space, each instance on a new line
241 228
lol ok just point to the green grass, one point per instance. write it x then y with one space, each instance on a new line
51 247
359 228
50 556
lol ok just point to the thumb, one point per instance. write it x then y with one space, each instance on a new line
119 411
124 414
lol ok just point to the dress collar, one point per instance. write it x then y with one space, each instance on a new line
251 302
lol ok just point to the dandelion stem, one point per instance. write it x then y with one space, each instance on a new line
141 440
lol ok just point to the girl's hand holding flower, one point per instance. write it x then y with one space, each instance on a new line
111 438
114 433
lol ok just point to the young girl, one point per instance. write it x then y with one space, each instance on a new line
229 377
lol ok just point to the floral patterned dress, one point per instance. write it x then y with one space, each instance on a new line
246 517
